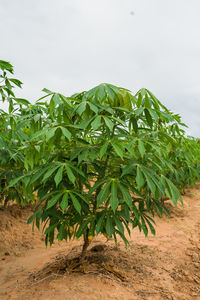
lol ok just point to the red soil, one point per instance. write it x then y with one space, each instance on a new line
166 266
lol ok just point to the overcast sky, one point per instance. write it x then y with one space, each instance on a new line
72 45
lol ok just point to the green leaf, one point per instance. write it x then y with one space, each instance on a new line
136 211
70 174
16 82
109 123
53 200
66 133
141 148
100 223
96 123
103 149
123 237
153 114
150 183
22 101
75 202
114 199
5 65
47 91
150 226
59 175
139 178
49 172
126 196
82 197
93 107
30 220
50 133
119 224
175 195
148 117
64 202
139 111
81 108
119 121
82 228
144 227
147 102
129 169
56 99
103 195
118 150
14 181
51 228
109 227
134 124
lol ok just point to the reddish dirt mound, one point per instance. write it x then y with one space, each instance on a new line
166 266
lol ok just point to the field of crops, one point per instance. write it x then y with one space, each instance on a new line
99 165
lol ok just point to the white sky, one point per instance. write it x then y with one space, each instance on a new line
72 45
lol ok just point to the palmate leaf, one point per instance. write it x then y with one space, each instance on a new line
51 170
173 191
100 223
82 197
117 149
144 226
119 224
148 117
123 237
114 201
5 65
53 200
22 101
59 175
129 169
103 149
103 195
81 108
147 101
149 181
96 123
141 148
109 227
66 133
149 222
75 202
15 181
50 133
70 174
56 99
126 196
139 178
82 228
153 114
64 202
139 111
109 123
93 107
134 124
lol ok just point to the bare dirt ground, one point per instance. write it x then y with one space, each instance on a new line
166 266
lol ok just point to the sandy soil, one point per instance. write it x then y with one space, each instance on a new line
166 266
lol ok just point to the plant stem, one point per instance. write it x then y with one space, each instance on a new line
85 245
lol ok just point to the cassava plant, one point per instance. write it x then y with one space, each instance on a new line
98 162
11 160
